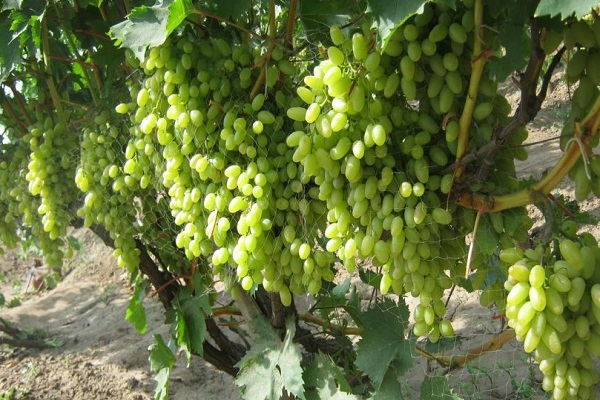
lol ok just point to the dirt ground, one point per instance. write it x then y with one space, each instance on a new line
99 355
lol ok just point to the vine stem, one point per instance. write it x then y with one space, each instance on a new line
13 114
305 317
480 212
267 56
48 73
476 71
453 362
79 59
291 23
20 103
585 130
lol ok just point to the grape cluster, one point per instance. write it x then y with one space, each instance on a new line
582 39
553 304
39 194
109 194
235 192
9 206
376 131
370 155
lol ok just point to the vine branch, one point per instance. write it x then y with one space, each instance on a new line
48 72
476 71
584 131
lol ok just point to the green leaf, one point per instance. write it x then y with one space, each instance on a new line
10 55
516 219
390 388
517 46
229 9
486 240
161 355
178 12
389 14
150 26
565 8
136 314
11 4
271 366
162 360
316 16
162 384
437 388
383 340
339 291
321 380
370 277
188 319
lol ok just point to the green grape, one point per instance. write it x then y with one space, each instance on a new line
457 33
438 33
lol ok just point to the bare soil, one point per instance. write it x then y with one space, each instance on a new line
99 355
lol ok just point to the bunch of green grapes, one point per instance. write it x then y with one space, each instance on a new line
109 194
36 194
553 304
582 40
10 177
377 131
236 195
368 136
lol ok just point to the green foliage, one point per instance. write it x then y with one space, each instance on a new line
136 313
150 26
8 394
383 347
226 150
191 307
389 15
272 366
324 380
162 360
565 8
438 388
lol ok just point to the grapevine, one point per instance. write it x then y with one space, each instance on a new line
275 152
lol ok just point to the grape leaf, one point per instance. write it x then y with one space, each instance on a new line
370 277
322 380
390 388
150 26
228 9
437 387
517 45
136 314
162 360
565 8
162 384
11 4
516 219
383 340
487 238
318 15
161 356
389 14
271 366
194 304
10 55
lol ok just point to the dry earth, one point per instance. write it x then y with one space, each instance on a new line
101 356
